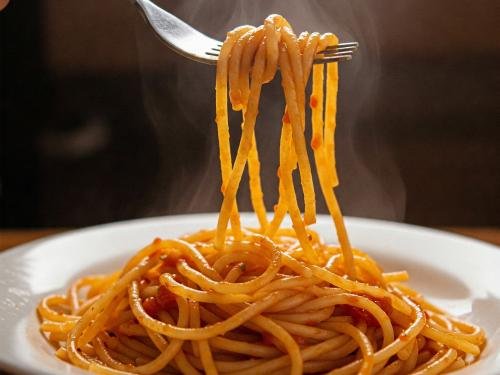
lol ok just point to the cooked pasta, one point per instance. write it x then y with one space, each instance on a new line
271 299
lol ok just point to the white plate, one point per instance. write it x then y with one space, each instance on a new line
459 274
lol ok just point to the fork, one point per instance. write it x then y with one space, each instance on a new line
194 45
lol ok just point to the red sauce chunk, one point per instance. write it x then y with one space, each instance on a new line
299 340
313 102
360 315
155 254
286 118
267 339
403 337
172 258
352 299
315 143
151 307
165 298
384 303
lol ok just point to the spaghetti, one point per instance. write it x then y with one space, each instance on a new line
275 300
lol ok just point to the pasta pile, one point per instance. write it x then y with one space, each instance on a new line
266 300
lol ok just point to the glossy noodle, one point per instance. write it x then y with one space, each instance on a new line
271 299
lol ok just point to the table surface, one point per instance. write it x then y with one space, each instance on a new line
14 237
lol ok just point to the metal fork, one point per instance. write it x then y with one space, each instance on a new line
194 45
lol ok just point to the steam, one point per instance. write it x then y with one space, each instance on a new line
179 97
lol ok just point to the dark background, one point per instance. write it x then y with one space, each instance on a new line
100 122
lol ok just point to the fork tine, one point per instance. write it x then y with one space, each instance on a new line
320 58
353 45
338 54
342 51
332 58
332 54
342 47
339 49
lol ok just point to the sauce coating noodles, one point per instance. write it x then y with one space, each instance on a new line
236 300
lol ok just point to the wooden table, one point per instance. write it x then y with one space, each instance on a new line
13 237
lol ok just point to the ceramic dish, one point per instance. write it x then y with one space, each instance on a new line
459 274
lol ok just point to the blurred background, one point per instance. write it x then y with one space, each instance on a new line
101 122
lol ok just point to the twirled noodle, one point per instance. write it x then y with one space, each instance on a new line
235 300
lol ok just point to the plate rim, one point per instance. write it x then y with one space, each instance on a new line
245 215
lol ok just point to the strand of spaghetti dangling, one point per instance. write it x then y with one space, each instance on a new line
280 209
239 98
296 90
322 143
294 131
271 34
239 73
272 25
222 118
275 27
278 30
293 86
309 46
272 29
244 147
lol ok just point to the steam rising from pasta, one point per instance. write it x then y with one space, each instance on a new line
371 183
